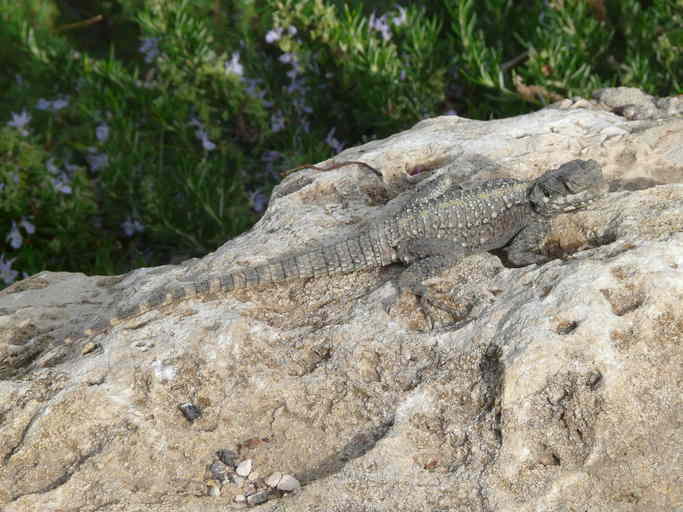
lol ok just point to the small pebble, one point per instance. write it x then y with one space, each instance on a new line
274 479
227 457
253 476
190 411
219 471
240 498
213 488
594 379
95 377
89 347
258 498
288 483
244 467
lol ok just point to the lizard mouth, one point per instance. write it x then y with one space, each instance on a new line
570 187
574 201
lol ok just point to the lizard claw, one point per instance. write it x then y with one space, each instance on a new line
390 298
457 314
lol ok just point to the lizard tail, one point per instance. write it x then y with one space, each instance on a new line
347 255
351 254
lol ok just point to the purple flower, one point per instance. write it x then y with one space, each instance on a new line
274 35
301 106
43 104
28 227
19 121
149 47
50 164
131 226
252 88
258 201
96 160
61 180
401 17
61 184
6 273
287 58
52 106
296 86
202 135
60 103
381 25
14 237
333 142
102 132
277 122
234 65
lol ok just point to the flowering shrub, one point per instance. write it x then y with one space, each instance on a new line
137 132
39 193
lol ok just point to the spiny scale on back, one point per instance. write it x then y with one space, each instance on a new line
476 218
429 229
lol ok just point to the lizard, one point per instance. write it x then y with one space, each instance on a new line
428 230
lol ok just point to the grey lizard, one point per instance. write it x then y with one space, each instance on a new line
427 230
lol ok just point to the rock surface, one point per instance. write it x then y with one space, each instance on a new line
558 389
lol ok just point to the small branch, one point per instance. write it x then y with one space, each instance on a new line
333 166
514 61
80 24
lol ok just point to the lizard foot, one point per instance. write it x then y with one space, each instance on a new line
443 314
424 311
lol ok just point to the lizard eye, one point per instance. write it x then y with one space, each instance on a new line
567 188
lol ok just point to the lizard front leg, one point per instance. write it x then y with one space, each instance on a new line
526 247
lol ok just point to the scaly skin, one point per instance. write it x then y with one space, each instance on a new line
428 229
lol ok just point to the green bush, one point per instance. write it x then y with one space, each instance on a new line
38 192
138 132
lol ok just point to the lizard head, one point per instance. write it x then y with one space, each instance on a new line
569 187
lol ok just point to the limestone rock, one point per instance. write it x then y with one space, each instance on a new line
557 388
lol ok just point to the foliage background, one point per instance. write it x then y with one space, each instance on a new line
139 132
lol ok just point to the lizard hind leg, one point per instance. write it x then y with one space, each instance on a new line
426 259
